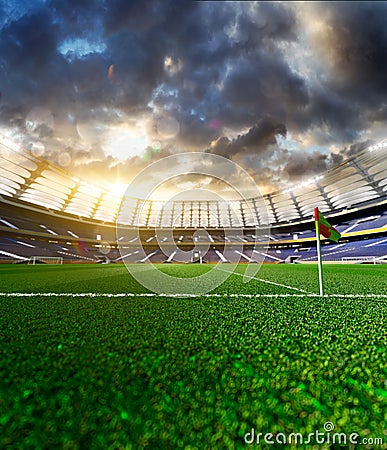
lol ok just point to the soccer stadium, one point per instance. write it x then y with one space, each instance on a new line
193 225
80 317
48 216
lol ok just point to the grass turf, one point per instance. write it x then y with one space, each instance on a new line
98 372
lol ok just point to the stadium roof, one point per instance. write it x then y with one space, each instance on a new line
29 178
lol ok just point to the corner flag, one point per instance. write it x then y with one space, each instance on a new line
325 228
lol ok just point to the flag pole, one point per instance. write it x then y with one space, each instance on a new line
319 259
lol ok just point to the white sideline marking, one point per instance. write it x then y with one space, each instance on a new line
152 294
266 281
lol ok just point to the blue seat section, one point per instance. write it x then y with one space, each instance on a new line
368 225
25 233
370 247
19 248
377 221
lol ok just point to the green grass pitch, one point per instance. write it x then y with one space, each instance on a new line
99 370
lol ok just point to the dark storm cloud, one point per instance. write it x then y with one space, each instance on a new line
353 45
75 14
301 164
257 151
27 48
358 44
30 42
340 117
133 15
232 71
138 39
349 151
262 86
216 68
138 64
256 140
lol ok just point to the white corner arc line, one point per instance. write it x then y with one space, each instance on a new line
266 281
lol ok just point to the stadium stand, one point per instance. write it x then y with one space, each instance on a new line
45 211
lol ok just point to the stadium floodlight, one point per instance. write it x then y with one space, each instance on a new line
378 146
305 183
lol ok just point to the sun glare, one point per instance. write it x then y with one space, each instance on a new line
125 142
117 189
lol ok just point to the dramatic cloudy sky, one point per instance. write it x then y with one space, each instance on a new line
104 87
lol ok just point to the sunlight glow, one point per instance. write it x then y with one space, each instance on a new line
117 189
125 142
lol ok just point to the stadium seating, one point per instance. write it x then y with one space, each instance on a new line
46 211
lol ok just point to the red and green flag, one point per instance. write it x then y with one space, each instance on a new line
325 227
